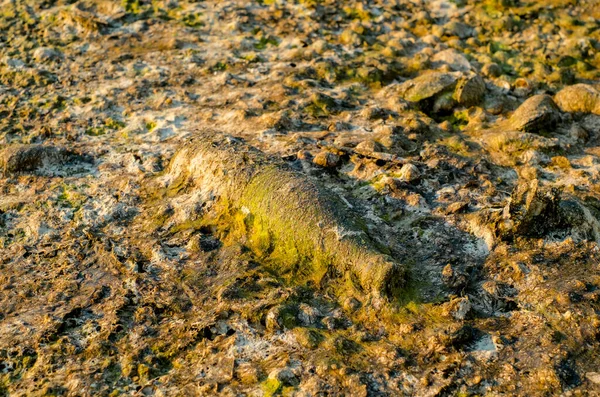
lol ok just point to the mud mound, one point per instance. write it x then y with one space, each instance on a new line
285 212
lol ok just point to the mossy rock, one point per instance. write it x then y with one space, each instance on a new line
536 114
428 85
286 217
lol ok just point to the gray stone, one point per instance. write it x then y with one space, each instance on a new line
461 308
537 113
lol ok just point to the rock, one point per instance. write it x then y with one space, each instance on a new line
145 276
409 173
40 159
591 123
444 103
579 98
285 376
45 54
502 56
327 159
320 105
457 207
494 106
455 28
535 114
571 213
532 210
428 85
308 315
369 146
536 211
593 377
454 59
13 63
285 205
462 309
417 202
304 155
498 296
373 113
491 70
534 158
561 162
138 26
446 126
394 137
336 321
279 121
350 38
460 338
470 90
522 88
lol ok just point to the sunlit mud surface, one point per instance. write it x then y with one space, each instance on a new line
299 198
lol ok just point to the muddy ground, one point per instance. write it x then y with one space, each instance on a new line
400 197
